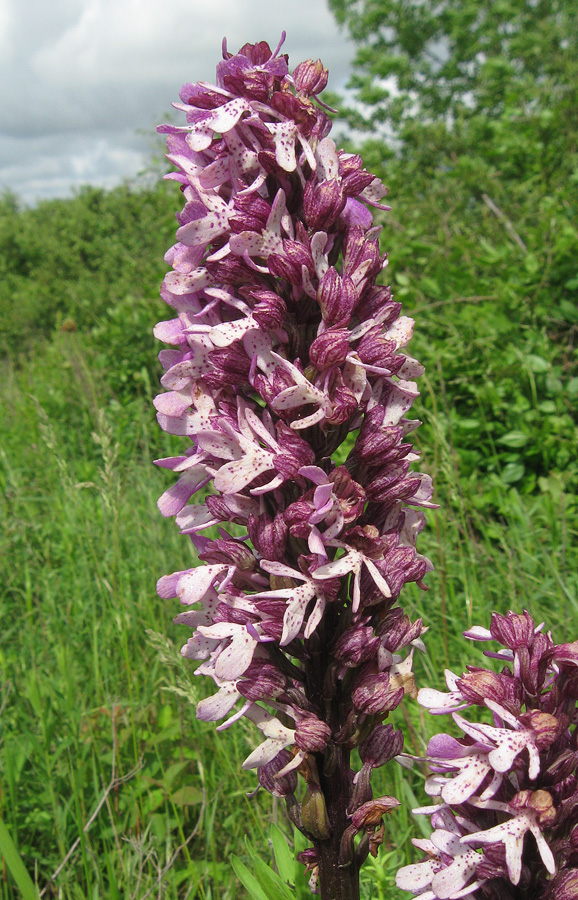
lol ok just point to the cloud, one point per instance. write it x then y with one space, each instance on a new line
100 71
133 41
144 41
56 165
6 30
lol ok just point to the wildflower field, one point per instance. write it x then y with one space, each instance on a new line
109 785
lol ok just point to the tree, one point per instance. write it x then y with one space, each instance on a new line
457 60
470 109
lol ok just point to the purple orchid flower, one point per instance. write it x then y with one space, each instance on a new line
507 789
283 348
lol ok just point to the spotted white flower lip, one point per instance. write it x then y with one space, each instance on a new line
277 737
439 702
352 562
511 834
447 882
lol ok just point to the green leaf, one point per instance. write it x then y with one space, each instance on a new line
468 424
283 856
16 866
275 887
513 472
430 286
248 880
548 406
187 796
531 264
174 771
514 439
568 309
268 879
262 883
536 364
165 717
554 385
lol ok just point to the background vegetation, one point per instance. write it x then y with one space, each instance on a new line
102 763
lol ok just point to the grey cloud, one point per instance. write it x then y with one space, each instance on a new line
87 74
55 165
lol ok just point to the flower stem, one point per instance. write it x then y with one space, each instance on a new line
335 882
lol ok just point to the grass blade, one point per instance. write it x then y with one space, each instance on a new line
248 880
421 823
15 864
283 857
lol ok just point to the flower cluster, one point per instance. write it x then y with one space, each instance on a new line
507 824
285 349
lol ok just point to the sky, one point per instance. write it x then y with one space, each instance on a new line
83 83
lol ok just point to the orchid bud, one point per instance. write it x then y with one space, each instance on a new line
329 349
322 203
278 785
289 263
270 310
371 813
336 297
310 77
374 694
515 631
383 744
261 681
476 686
539 802
268 536
566 654
564 886
355 646
312 734
516 774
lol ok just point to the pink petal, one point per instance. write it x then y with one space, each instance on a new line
170 332
194 585
195 517
173 403
263 754
315 617
213 708
203 231
167 585
236 475
314 474
198 647
295 612
327 159
378 578
233 661
401 331
284 136
417 876
176 497
466 783
349 563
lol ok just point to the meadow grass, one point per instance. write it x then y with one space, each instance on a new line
102 762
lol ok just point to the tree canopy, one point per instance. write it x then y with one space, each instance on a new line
472 69
464 57
470 115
